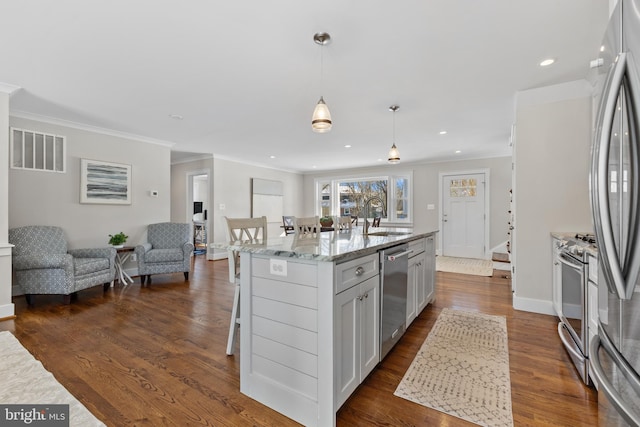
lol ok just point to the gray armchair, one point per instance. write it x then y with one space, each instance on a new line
42 264
169 251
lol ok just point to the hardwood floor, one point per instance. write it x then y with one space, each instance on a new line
155 356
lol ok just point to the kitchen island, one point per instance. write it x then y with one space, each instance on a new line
310 315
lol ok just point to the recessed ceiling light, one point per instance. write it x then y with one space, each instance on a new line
547 62
347 146
602 48
379 160
272 157
176 116
443 132
458 151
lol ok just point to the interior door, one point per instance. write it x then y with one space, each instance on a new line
463 215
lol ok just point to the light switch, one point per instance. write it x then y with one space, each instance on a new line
431 207
222 206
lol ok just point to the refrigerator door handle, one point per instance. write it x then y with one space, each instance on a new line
605 385
600 185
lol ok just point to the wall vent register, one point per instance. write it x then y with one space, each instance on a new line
37 151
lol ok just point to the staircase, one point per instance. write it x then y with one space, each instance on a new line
501 262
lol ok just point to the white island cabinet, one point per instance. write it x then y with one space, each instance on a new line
310 319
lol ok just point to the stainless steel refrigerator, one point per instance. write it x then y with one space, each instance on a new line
615 202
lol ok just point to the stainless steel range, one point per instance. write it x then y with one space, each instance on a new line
572 328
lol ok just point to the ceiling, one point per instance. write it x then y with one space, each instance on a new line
244 76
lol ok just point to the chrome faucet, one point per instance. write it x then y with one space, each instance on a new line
367 203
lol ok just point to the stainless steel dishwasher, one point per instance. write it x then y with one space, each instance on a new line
394 264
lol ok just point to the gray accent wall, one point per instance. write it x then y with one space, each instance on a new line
48 198
232 188
181 209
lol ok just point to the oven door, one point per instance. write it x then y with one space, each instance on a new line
572 328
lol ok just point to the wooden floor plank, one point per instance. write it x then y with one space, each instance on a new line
155 356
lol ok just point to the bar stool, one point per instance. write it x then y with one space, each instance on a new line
246 230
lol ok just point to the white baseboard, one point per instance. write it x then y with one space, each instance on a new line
533 305
7 311
219 255
501 248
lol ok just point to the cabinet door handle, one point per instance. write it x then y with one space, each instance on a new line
359 271
366 295
360 298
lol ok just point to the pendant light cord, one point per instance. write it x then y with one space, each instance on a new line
321 70
394 127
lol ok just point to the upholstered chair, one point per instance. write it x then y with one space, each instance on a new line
168 250
43 264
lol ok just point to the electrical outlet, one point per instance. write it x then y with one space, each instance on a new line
278 267
134 257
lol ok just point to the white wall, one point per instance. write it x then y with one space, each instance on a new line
426 190
551 155
232 188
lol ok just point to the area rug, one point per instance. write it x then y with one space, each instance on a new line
462 369
476 267
26 382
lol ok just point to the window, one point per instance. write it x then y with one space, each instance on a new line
347 196
325 199
463 187
37 151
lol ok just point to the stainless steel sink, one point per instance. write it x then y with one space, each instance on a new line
390 233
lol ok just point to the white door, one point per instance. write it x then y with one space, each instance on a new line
463 215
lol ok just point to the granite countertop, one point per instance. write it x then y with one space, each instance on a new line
327 246
564 236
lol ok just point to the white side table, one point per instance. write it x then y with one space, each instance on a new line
122 256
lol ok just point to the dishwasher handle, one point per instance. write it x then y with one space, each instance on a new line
399 255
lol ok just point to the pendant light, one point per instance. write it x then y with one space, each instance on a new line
321 119
394 154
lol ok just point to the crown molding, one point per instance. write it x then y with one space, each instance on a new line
255 164
8 88
88 128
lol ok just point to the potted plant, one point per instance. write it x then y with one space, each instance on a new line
118 240
326 221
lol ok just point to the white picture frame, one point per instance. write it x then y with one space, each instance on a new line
105 182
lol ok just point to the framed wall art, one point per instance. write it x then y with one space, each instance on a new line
105 182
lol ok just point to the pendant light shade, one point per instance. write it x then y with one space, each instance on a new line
321 119
394 154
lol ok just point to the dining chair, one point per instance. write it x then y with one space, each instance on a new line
287 224
376 222
354 220
304 225
343 223
246 230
